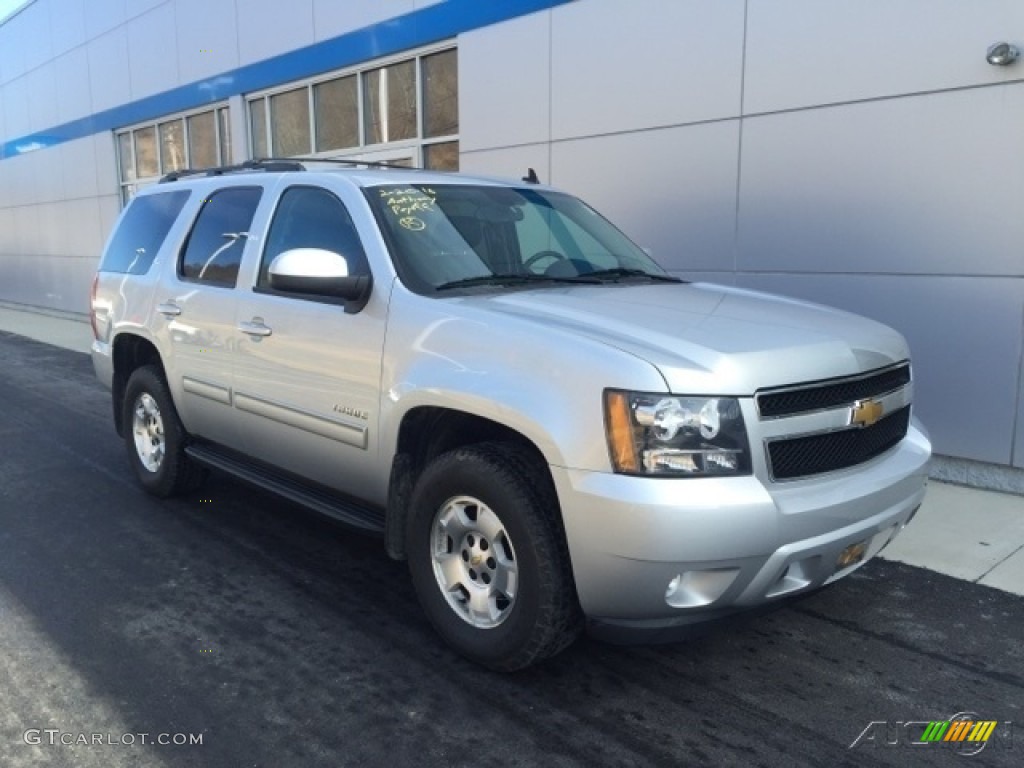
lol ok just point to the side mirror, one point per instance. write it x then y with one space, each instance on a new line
317 272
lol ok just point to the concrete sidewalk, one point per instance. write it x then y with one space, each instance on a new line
967 533
971 534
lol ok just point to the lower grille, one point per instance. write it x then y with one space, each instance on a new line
815 454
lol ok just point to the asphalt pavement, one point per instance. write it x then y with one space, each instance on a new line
281 639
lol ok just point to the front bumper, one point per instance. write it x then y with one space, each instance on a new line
652 554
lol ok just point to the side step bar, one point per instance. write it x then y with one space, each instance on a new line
351 513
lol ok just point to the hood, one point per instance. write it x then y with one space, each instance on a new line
710 339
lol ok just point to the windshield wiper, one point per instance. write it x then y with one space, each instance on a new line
625 272
511 279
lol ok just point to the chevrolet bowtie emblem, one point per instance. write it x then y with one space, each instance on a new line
864 413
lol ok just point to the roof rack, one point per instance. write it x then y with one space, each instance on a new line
271 164
366 163
268 164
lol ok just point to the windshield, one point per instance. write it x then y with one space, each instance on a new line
456 236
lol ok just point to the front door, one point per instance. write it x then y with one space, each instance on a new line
307 374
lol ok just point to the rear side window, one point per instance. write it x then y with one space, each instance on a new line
213 251
142 231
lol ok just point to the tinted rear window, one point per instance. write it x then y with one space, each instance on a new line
214 248
142 231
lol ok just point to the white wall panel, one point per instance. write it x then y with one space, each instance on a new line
72 75
105 164
35 27
26 228
965 338
152 41
78 167
6 229
103 15
67 24
17 174
30 176
203 47
110 209
10 190
916 185
682 207
808 52
269 27
108 70
41 84
331 18
510 162
14 101
61 282
138 7
85 225
13 44
47 176
620 65
505 84
50 240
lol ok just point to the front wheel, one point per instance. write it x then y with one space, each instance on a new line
154 436
488 557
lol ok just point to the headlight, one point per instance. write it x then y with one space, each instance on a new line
651 434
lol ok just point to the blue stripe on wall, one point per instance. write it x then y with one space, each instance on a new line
422 27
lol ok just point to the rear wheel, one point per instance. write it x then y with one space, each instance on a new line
154 436
488 557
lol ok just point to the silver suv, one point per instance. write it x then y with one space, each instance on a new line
552 430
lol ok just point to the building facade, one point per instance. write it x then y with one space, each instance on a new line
863 155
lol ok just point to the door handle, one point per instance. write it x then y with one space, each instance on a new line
168 309
255 327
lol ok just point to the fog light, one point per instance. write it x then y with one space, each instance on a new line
695 589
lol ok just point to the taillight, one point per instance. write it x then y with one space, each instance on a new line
92 306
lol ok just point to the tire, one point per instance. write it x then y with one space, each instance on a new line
488 557
155 438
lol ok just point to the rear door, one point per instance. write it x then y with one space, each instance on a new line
199 305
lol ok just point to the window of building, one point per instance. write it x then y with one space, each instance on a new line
289 122
389 111
172 145
404 110
214 247
199 139
336 105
